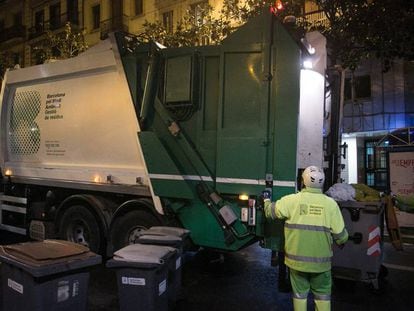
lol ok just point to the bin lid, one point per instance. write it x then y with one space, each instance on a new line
175 231
45 250
149 238
41 258
144 253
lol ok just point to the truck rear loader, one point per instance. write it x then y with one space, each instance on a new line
129 135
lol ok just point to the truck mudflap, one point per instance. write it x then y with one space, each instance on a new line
13 208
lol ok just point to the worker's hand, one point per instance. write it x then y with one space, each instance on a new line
266 195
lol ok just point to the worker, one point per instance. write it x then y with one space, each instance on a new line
312 221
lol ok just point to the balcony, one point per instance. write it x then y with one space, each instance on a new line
54 24
317 18
16 31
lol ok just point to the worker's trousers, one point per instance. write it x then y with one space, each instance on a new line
319 283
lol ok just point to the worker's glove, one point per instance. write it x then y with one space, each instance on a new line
266 195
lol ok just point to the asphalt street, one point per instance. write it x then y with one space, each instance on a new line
245 281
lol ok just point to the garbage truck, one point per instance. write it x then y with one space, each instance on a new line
128 135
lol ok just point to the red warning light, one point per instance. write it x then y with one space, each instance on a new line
279 5
276 7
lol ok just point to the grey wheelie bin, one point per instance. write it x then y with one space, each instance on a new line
174 231
174 237
361 258
46 275
142 276
169 236
180 234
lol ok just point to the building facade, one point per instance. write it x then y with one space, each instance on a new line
382 103
23 23
375 104
13 30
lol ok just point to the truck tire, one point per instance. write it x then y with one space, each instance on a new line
127 228
79 225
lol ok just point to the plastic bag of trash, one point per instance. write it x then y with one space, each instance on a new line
364 193
405 202
341 192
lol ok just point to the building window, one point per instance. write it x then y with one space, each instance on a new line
72 8
54 16
376 175
37 58
167 21
55 52
17 58
17 19
96 16
39 21
199 10
361 87
139 7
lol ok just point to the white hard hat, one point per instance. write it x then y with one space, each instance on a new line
313 177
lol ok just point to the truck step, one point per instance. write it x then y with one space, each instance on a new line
13 212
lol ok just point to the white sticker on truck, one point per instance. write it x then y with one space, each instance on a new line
162 287
133 281
15 286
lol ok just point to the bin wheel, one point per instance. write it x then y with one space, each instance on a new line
79 225
383 272
127 228
378 286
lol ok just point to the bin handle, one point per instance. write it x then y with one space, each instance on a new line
373 208
356 238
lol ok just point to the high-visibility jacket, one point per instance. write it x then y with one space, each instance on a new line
313 221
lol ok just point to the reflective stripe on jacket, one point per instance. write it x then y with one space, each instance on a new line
313 220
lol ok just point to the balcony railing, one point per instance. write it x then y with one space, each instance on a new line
55 24
16 31
317 18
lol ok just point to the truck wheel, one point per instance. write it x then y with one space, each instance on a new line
79 225
128 227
